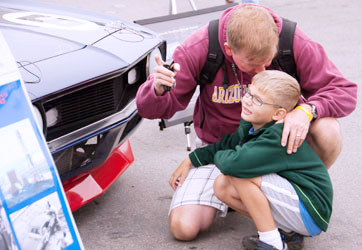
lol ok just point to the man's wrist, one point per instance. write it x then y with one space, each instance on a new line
307 106
314 112
159 91
312 109
307 109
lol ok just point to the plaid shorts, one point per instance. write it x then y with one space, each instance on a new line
197 189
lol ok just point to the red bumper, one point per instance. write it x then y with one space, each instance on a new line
87 186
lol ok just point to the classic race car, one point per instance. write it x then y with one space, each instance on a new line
81 71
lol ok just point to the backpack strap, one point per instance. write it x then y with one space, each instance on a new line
285 56
215 56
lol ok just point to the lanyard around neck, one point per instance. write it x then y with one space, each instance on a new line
244 87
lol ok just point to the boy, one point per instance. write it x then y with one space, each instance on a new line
292 192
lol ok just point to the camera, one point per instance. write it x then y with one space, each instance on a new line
169 67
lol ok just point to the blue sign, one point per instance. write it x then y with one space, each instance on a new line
34 213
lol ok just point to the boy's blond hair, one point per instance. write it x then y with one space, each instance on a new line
253 30
281 87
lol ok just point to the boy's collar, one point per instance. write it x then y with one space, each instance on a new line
269 124
251 130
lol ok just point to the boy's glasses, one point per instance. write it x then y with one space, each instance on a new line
257 101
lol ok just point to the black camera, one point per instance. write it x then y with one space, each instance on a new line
169 67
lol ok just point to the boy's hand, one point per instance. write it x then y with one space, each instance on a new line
163 76
179 175
296 126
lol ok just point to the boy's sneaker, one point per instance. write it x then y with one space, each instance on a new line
253 243
294 240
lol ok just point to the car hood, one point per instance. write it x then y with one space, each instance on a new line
38 32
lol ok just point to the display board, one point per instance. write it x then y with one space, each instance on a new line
34 213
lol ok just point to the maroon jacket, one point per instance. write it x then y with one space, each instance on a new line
217 112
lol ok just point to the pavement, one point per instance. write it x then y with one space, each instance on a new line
132 214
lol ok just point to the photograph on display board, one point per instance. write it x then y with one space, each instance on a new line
42 225
6 237
27 172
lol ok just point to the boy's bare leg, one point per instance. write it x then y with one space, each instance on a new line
326 139
226 192
247 193
253 198
240 194
187 221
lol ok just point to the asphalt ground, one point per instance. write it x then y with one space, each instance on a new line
132 214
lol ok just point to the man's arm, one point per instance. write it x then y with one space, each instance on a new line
153 102
296 127
322 85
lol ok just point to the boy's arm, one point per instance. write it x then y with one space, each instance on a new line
254 158
205 155
179 175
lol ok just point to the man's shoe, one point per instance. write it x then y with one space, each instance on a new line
294 240
253 243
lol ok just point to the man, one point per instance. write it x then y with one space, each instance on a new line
248 35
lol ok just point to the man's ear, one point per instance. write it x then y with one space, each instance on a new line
228 49
279 114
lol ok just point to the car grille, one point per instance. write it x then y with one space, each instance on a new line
93 102
82 105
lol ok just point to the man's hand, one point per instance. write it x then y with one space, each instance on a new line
163 76
179 175
296 126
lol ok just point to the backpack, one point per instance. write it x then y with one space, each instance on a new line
215 57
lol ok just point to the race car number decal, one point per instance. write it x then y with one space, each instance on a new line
50 21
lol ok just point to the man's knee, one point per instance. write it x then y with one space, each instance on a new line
325 125
188 220
326 139
181 228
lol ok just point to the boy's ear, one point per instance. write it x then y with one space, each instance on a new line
228 49
279 114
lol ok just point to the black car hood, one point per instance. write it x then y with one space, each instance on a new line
38 32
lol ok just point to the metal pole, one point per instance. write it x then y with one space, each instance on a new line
193 4
187 132
173 7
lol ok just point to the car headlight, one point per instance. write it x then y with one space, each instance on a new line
52 116
133 76
151 63
38 117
